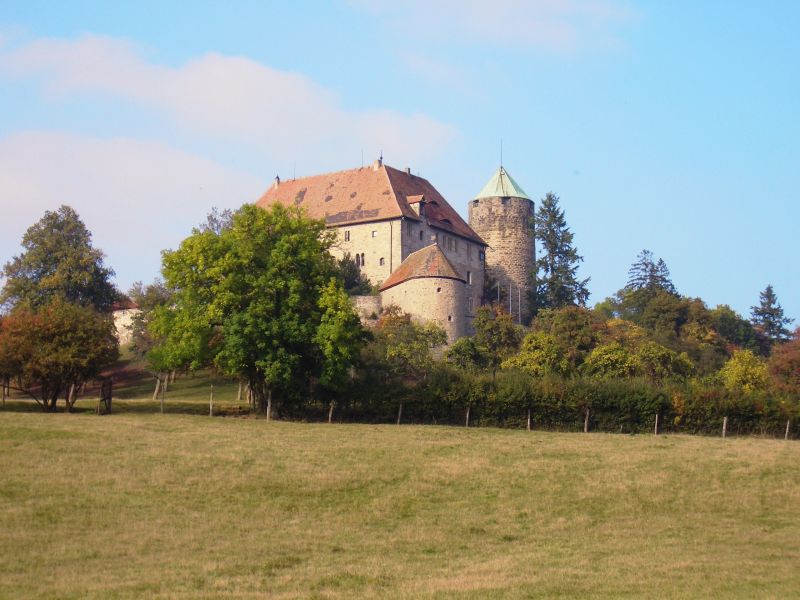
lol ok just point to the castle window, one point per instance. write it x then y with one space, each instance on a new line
455 244
420 234
358 260
382 261
475 202
470 304
374 233
449 317
438 290
469 277
346 236
363 262
409 229
481 256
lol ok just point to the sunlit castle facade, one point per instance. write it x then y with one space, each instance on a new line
411 243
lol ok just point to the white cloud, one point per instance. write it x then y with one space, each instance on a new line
278 114
136 197
557 25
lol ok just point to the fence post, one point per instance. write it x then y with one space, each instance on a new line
655 429
724 426
211 402
786 435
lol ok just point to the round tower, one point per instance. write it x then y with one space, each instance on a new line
502 214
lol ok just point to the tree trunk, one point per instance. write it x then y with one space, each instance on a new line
5 390
211 402
239 393
467 416
724 426
586 422
330 411
163 392
399 413
158 387
529 419
269 404
785 435
655 429
71 397
165 382
172 376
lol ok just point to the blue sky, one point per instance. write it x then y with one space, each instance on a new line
671 126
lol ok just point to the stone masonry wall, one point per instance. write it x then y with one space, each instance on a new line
506 224
376 241
431 299
464 254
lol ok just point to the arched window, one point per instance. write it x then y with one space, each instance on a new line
358 260
382 261
362 259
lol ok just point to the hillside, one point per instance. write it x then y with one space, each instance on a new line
180 506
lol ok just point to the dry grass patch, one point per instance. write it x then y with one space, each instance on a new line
177 506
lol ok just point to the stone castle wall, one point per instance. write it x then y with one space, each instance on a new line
378 242
368 308
464 254
432 299
506 224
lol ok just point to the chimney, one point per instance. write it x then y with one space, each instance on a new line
277 180
408 170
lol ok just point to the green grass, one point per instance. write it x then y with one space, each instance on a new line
182 506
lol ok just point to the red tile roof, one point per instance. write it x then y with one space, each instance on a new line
428 262
373 193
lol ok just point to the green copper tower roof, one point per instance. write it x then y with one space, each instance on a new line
502 185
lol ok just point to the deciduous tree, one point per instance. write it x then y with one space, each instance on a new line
50 348
58 261
248 298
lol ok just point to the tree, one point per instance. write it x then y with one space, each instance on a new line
52 349
611 361
247 299
495 334
405 348
744 372
540 355
339 338
556 278
572 328
784 365
734 329
768 317
467 355
147 298
58 261
658 363
355 282
649 274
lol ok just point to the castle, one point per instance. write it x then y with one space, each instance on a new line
411 243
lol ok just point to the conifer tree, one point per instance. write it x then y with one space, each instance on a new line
768 317
556 278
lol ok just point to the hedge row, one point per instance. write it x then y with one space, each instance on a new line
628 405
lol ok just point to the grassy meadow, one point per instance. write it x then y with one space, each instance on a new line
137 504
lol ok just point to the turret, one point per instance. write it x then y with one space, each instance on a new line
502 214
